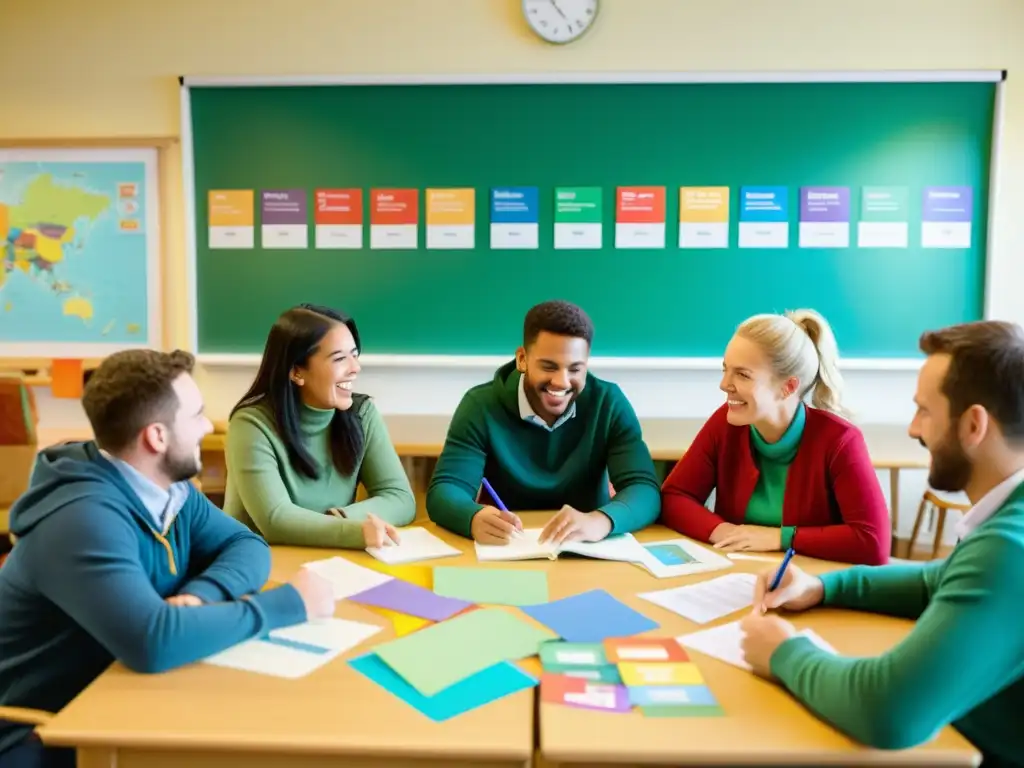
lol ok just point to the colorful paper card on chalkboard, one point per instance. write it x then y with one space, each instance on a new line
515 217
394 219
946 217
824 217
884 218
283 218
231 218
640 217
764 217
338 216
703 217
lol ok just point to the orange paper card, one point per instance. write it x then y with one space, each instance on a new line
231 207
640 205
643 649
338 206
394 206
66 378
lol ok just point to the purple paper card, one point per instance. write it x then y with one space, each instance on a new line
831 204
411 599
283 206
947 204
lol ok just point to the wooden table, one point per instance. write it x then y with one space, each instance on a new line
204 716
763 724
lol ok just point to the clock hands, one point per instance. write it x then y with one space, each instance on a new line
555 6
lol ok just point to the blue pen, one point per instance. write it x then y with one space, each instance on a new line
494 495
497 499
782 569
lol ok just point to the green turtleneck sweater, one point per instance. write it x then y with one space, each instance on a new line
266 493
773 460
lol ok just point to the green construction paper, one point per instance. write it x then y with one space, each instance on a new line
681 710
492 586
443 654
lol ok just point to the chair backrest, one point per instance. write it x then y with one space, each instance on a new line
18 415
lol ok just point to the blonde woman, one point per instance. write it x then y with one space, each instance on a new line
787 473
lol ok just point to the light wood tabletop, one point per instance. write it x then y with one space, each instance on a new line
204 716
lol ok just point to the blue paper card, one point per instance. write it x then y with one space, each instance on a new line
671 696
590 617
474 691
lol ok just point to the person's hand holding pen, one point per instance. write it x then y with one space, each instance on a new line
495 525
785 587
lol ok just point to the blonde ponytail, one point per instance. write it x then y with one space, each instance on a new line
800 343
827 393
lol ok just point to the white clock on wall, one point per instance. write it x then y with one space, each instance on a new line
560 21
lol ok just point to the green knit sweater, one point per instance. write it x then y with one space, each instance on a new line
266 493
773 460
531 468
962 663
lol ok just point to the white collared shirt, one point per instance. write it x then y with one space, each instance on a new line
163 505
988 504
527 413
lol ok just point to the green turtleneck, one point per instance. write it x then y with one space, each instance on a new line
773 460
266 493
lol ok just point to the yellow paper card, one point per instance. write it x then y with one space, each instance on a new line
704 205
450 206
421 576
655 673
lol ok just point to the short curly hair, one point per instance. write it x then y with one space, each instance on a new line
130 390
561 318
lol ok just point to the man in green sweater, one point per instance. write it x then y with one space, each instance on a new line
546 434
963 662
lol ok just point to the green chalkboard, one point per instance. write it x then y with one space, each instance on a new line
669 302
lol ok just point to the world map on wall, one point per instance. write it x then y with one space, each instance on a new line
75 256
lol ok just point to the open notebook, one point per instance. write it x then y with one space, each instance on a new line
526 546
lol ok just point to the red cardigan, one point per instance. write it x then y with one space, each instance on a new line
832 494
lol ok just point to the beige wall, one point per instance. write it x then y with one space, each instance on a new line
108 68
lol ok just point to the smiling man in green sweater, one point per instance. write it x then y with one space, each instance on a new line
963 662
546 434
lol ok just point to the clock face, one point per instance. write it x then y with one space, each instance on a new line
560 21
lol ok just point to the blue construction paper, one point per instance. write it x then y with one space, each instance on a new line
590 617
481 688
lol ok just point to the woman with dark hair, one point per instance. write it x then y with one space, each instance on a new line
300 441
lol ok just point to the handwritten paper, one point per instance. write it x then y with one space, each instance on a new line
415 544
295 651
725 643
708 600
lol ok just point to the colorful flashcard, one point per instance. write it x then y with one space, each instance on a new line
338 218
231 217
578 216
624 649
577 692
451 218
563 654
660 673
946 216
640 217
284 218
703 217
394 219
515 217
824 217
884 218
671 695
764 217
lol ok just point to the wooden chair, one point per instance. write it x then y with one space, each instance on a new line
933 505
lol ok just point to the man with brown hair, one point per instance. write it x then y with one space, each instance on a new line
120 557
963 662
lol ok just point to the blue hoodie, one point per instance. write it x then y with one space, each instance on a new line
87 580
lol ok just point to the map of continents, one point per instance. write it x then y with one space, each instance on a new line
73 254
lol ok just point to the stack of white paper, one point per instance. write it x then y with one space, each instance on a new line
725 643
414 544
708 600
295 651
